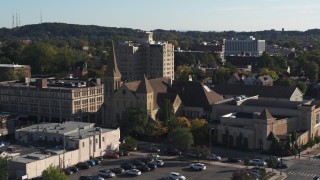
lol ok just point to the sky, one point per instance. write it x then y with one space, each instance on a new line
182 15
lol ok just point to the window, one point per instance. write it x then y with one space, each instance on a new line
82 144
102 139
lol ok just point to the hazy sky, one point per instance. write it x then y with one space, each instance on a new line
202 15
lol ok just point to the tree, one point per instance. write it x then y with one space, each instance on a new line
3 169
311 70
134 121
129 144
302 86
183 72
157 129
167 113
199 130
183 122
271 73
181 137
53 173
9 75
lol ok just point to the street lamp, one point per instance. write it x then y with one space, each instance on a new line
210 144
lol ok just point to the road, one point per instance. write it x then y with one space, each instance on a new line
303 169
171 165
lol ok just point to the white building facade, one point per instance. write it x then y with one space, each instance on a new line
250 46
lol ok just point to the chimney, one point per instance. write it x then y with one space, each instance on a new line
42 83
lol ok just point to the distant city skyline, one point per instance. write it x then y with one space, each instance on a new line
182 15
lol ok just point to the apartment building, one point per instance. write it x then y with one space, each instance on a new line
54 100
76 142
144 56
250 46
22 69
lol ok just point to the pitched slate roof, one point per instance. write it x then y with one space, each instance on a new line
263 91
265 114
195 94
144 86
112 66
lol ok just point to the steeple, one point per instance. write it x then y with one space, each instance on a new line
112 68
144 86
265 115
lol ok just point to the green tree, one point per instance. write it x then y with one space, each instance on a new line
129 144
271 73
9 75
3 169
181 137
302 86
167 113
311 70
183 72
53 173
134 121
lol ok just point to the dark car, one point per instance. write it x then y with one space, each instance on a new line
123 153
145 160
91 163
283 166
68 171
151 165
174 152
118 170
137 162
74 169
97 161
234 160
83 165
154 149
143 168
85 178
127 166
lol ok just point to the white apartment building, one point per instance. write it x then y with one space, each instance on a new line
78 142
144 56
251 46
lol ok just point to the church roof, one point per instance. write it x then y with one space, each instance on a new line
144 86
112 68
265 114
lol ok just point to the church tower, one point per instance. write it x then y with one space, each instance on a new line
112 82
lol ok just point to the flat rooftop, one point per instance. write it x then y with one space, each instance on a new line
14 66
70 129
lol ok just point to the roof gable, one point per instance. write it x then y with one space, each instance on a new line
265 115
144 86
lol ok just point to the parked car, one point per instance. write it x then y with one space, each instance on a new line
133 172
154 149
316 178
137 162
176 176
127 166
123 153
68 171
97 161
198 166
105 173
111 155
153 156
74 169
91 163
214 157
152 166
144 168
91 178
173 152
158 162
258 162
117 170
83 165
234 160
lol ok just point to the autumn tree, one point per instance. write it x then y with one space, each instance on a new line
199 130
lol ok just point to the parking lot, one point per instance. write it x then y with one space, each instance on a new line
172 164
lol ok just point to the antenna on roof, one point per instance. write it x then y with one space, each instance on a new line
12 19
40 17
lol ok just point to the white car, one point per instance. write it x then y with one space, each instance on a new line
198 166
176 176
158 162
214 157
258 162
106 173
134 172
